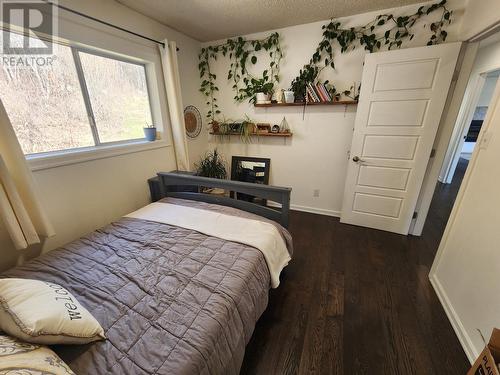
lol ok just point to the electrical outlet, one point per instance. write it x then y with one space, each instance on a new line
316 193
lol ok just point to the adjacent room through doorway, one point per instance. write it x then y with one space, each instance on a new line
473 118
475 104
447 188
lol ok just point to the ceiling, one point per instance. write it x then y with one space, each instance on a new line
207 20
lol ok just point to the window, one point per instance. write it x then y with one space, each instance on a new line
119 97
45 105
80 100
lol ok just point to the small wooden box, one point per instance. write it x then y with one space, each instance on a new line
263 128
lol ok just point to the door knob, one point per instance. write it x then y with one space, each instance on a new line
356 159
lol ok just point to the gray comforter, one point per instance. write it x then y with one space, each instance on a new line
170 300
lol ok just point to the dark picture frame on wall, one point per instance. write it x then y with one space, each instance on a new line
250 169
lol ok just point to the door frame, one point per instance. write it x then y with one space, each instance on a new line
456 94
462 126
447 126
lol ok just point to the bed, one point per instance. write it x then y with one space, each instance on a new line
171 299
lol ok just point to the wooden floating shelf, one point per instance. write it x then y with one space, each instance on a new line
340 102
256 134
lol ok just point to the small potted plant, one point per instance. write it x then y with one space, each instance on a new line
263 90
212 165
248 128
214 126
150 132
299 84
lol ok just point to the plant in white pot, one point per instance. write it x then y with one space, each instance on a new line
261 88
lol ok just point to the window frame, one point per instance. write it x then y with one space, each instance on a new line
75 50
41 160
102 150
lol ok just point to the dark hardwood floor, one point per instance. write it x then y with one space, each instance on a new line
359 301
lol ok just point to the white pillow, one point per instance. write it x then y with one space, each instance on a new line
45 313
18 357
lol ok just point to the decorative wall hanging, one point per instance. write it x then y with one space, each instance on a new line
284 127
385 30
242 53
192 121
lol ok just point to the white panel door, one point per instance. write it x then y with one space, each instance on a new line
403 94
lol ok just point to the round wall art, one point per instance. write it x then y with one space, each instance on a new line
192 121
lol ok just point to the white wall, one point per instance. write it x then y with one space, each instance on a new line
466 270
480 15
487 92
316 156
82 197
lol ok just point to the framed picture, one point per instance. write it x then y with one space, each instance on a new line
250 169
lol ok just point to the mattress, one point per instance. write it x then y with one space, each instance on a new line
171 300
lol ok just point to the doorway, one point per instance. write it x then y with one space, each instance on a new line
469 125
479 60
475 103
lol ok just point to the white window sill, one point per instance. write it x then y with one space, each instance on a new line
56 159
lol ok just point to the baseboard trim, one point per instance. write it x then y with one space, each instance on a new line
314 210
455 321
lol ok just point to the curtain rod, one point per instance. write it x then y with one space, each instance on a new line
105 23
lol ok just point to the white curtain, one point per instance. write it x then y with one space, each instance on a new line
174 96
20 207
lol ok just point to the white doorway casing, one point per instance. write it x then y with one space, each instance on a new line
403 94
474 97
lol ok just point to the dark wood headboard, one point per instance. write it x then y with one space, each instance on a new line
169 183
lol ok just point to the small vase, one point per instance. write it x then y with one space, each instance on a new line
289 96
279 96
150 134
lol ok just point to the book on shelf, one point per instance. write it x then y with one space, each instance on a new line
312 94
309 97
319 93
325 92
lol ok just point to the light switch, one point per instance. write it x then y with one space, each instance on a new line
485 140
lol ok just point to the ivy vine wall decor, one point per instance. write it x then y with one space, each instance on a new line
242 53
384 31
395 30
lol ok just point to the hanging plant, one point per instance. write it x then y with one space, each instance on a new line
385 30
242 54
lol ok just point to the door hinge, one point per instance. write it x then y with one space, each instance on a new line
433 153
415 214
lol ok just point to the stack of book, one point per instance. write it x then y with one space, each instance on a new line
317 93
